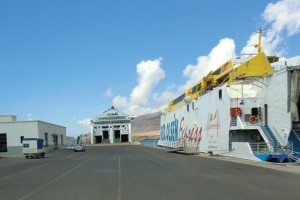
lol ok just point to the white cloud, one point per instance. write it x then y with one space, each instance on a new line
29 116
283 19
108 92
149 74
283 16
120 101
224 51
85 122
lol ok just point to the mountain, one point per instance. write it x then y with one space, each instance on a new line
148 123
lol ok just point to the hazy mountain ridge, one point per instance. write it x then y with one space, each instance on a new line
146 123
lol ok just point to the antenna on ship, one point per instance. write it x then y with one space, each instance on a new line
259 45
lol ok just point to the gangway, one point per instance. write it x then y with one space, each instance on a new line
292 155
188 147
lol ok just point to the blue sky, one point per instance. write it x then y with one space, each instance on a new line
65 62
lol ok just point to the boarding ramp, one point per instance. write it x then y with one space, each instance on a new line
295 156
265 151
174 146
297 133
186 146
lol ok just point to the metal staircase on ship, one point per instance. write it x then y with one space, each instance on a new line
277 147
273 148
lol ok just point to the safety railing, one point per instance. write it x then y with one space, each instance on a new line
179 145
260 148
267 148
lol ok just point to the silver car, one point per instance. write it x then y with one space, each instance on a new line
71 147
79 147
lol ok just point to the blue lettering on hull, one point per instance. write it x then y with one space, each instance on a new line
169 131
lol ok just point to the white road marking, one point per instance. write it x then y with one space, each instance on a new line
119 180
53 181
24 171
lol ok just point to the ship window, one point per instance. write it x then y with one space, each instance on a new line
220 94
21 138
188 108
194 89
217 72
254 111
193 105
178 99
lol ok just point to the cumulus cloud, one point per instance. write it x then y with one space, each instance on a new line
120 101
283 16
85 122
221 53
282 19
149 74
29 116
108 92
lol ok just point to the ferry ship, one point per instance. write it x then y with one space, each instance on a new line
247 108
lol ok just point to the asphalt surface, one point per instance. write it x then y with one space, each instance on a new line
140 173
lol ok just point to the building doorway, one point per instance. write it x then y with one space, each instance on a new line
55 141
124 138
117 136
3 142
98 139
105 137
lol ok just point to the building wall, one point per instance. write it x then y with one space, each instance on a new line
30 129
14 131
8 118
52 130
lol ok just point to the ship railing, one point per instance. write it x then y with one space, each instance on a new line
266 148
174 144
245 120
282 141
260 148
180 144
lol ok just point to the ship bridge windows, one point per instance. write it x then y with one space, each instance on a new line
217 72
178 99
194 89
272 59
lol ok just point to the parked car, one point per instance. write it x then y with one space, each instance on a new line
79 147
70 146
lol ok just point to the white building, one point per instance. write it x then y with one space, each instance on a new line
12 133
111 127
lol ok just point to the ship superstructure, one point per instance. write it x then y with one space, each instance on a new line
247 108
111 127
